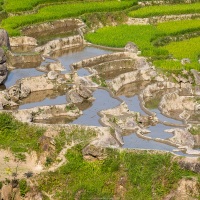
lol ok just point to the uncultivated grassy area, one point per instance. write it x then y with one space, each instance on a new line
142 175
53 12
17 136
150 11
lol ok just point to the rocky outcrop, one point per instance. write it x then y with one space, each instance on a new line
53 66
78 95
60 44
196 75
4 39
174 103
92 153
38 83
4 46
188 189
131 47
191 164
181 137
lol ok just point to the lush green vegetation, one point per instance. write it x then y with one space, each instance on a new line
23 187
185 49
145 35
17 136
119 36
53 12
195 130
24 5
157 10
178 27
143 176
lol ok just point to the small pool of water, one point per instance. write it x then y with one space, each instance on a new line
158 131
134 142
163 118
17 74
46 102
87 52
133 104
83 72
103 101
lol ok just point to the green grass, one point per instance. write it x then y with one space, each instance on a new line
146 176
195 130
153 103
160 10
17 136
53 12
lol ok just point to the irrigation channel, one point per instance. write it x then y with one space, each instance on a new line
103 100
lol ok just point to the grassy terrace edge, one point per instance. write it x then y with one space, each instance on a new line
159 10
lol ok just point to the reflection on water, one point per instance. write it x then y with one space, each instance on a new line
17 74
133 103
103 101
163 118
158 131
83 72
132 141
46 102
87 52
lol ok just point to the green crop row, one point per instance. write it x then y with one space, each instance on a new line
143 35
178 27
173 65
54 12
119 36
185 49
159 10
24 5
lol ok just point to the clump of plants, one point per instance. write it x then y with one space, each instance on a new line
99 80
